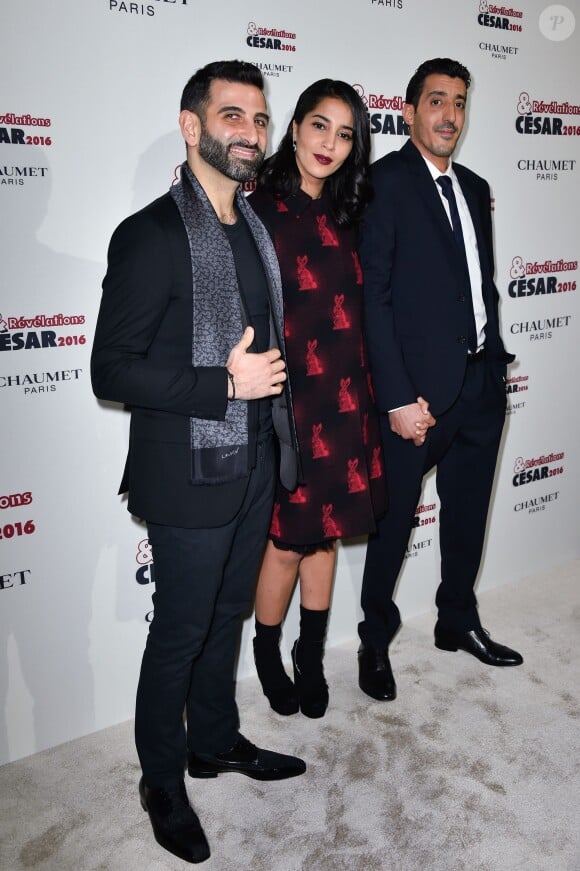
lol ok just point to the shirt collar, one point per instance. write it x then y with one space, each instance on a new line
436 172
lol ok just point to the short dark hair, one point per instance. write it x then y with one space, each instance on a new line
439 66
196 92
349 186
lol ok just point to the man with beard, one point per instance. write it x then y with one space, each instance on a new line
190 335
438 365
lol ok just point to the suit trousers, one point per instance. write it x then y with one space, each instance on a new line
463 445
205 581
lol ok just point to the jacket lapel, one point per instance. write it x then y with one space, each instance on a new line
427 190
473 206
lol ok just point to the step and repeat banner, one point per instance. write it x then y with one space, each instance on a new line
88 134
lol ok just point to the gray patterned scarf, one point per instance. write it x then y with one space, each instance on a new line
220 448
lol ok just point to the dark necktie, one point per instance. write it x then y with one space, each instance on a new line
446 186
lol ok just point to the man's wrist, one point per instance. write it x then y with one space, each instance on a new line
231 386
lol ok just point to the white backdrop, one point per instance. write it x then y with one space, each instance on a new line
88 134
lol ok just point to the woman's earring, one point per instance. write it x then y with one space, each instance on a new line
294 144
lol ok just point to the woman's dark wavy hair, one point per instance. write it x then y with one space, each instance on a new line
349 187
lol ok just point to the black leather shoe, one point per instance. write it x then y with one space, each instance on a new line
478 643
247 759
375 675
310 683
175 823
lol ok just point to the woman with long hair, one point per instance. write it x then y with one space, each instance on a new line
310 196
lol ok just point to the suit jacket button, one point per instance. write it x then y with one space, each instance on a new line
461 297
462 339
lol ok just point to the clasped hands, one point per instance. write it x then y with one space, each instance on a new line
255 375
259 375
412 421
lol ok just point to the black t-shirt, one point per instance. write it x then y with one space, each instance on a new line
256 305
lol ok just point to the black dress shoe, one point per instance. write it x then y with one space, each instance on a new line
175 823
309 680
375 675
247 759
478 643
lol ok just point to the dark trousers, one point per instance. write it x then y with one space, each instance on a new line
205 581
463 445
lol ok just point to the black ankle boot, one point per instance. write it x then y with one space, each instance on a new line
276 685
309 677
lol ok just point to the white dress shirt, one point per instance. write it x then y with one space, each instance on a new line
471 249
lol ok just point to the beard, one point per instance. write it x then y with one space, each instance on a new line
217 154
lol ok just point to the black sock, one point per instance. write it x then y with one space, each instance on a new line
267 636
313 624
310 648
268 657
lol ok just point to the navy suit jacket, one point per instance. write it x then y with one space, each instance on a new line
416 305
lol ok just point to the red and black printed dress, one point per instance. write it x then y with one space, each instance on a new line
343 488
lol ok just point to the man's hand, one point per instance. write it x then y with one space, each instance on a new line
412 421
255 375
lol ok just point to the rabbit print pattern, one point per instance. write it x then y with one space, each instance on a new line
342 487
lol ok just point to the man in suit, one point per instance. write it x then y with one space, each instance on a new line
190 334
438 365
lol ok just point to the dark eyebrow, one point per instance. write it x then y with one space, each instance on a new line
241 111
445 94
342 126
